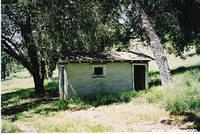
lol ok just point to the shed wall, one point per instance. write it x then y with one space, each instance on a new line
82 82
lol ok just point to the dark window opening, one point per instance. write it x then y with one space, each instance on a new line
98 70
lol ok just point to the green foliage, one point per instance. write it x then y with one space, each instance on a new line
183 96
52 86
109 98
197 47
186 100
74 103
176 25
8 66
88 27
153 95
77 103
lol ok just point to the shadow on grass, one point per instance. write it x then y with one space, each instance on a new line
24 100
16 102
53 104
28 93
13 97
155 79
19 108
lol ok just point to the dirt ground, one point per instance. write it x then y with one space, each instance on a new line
120 117
128 117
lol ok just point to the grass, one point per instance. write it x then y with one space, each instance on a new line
21 108
71 126
9 127
181 96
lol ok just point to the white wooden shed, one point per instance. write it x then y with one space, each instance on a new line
83 74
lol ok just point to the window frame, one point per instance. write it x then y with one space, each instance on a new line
104 71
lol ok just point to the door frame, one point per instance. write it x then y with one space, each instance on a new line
146 75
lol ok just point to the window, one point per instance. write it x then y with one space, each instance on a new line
98 70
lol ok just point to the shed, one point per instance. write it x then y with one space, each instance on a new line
83 74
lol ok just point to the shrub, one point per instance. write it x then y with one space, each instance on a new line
75 103
109 98
154 95
183 95
95 100
61 104
186 100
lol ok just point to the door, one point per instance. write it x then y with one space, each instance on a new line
139 77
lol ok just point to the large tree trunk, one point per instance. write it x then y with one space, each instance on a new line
39 85
37 64
38 77
197 47
3 70
156 46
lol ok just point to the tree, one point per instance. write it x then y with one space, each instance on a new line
176 22
95 30
36 33
156 45
22 26
189 22
5 61
8 66
173 25
137 24
87 28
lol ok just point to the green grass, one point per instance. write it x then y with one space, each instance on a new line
180 98
183 95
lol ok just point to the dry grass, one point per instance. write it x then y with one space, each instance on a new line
174 62
16 84
123 118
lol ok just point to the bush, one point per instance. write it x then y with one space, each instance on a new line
109 98
77 103
153 95
186 100
183 95
61 104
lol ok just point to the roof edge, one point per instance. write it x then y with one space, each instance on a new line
103 61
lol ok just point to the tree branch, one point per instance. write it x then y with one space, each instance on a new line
20 58
12 43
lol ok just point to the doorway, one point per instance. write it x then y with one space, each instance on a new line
139 77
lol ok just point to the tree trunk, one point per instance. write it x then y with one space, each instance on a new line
156 46
197 47
38 77
39 85
3 71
